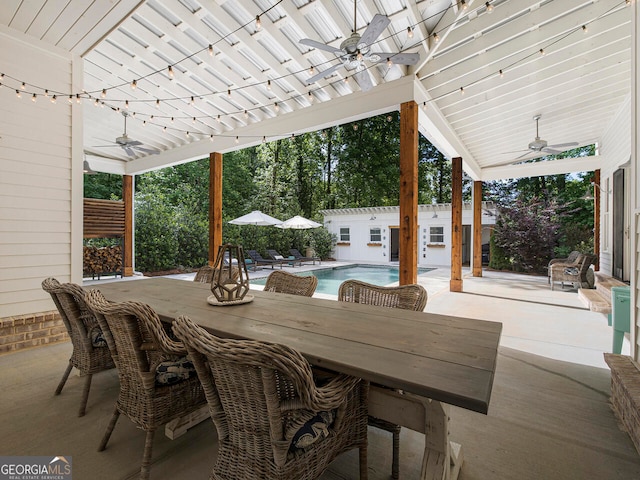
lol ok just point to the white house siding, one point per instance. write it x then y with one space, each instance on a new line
634 191
360 221
39 218
615 151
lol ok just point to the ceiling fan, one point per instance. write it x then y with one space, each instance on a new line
540 146
129 145
356 49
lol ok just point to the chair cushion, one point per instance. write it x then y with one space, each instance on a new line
571 271
313 429
172 372
97 338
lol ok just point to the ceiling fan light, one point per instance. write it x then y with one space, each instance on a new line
86 168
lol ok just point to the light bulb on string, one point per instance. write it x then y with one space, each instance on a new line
268 84
96 102
54 99
463 4
542 52
194 120
46 93
246 114
210 50
211 137
409 32
170 72
164 129
18 94
158 103
237 140
276 107
101 104
258 22
186 134
310 97
461 90
70 98
584 28
126 104
218 118
311 70
229 92
134 84
436 37
171 119
489 7
193 100
389 63
264 139
77 98
34 97
23 86
104 93
501 73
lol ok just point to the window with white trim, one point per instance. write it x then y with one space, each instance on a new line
345 236
375 235
436 234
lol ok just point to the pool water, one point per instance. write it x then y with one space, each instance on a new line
329 279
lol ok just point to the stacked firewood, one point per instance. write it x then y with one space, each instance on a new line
102 260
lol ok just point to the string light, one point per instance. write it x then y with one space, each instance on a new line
501 73
18 94
542 51
54 99
409 32
77 98
237 140
171 119
355 127
126 104
144 123
264 139
310 97
258 23
97 102
246 114
46 93
104 93
102 105
158 103
186 133
436 37
194 120
461 90
489 7
228 92
134 84
70 98
311 70
164 129
211 137
210 50
584 28
34 98
268 84
193 100
23 86
389 63
424 106
218 118
133 114
276 107
170 72
463 4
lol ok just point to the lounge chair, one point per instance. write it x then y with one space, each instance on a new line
276 256
257 260
296 253
578 274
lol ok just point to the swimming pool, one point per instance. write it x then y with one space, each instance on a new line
329 279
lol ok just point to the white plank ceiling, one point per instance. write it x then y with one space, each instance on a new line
485 70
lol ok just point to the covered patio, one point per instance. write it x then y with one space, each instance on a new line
194 79
549 415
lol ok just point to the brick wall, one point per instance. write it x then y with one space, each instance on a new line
31 330
625 394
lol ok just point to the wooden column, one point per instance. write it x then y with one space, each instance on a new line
477 229
215 205
408 254
127 198
455 284
596 217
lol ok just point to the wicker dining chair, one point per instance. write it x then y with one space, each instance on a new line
285 282
408 297
90 352
266 408
156 383
204 274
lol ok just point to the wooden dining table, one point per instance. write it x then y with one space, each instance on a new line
429 361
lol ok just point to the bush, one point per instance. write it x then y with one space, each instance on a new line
156 239
322 242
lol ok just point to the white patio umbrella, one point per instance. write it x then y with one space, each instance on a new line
299 223
256 218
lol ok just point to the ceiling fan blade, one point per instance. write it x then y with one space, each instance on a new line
399 58
321 46
562 145
105 146
550 150
129 151
364 80
132 143
151 151
323 74
374 29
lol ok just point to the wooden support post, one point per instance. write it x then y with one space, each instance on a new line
408 245
455 284
127 252
596 218
215 205
477 229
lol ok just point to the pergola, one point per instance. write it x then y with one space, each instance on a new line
198 78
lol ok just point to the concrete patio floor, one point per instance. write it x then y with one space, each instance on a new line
549 416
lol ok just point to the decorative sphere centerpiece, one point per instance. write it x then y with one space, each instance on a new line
230 281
